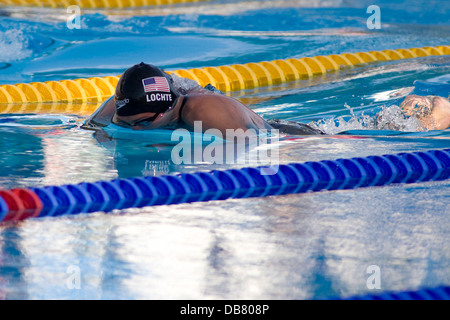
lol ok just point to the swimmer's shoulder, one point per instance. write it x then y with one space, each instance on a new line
201 101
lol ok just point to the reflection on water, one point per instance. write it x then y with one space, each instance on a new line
13 265
291 247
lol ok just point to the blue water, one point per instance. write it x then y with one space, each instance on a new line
307 246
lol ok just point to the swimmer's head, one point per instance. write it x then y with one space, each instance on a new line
144 88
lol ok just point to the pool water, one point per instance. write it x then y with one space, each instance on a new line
305 246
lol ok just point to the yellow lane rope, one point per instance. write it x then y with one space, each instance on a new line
81 109
110 4
225 78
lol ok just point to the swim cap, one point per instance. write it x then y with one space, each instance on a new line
144 88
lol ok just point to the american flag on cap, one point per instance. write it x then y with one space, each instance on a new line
156 84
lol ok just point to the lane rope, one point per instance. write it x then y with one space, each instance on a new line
436 293
294 178
226 78
93 4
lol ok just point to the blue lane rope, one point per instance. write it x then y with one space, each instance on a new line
438 293
432 165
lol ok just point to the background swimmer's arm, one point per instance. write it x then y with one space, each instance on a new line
433 112
441 113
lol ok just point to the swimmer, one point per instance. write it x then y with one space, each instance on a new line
433 112
146 99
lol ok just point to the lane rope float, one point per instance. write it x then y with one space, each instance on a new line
437 293
226 78
294 178
80 109
93 4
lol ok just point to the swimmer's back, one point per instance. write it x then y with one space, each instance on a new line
220 112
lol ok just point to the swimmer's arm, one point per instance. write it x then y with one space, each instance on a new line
106 109
102 116
109 107
441 113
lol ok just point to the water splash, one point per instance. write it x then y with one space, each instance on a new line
37 123
184 84
389 118
393 118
